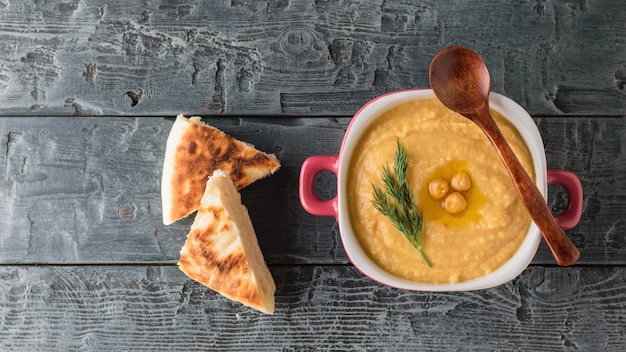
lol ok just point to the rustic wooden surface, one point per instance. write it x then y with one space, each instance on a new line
152 308
136 57
89 90
91 193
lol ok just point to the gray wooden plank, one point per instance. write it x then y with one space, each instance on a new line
148 308
299 57
87 190
596 152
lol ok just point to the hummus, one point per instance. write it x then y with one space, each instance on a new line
439 143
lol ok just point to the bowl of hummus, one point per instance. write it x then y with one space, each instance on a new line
423 200
450 218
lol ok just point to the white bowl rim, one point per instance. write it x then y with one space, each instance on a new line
508 271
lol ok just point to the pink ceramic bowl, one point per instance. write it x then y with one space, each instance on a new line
338 206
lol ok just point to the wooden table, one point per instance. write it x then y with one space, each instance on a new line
89 91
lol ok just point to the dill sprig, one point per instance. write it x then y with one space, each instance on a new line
398 203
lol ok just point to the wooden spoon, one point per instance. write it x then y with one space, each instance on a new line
460 79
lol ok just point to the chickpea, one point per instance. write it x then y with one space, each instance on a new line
454 203
461 181
438 188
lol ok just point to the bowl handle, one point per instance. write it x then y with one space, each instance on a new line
311 167
571 184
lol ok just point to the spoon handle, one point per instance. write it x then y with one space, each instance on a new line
563 250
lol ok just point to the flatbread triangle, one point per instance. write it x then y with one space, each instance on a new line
193 151
222 251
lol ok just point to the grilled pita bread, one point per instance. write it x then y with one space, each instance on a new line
193 151
222 251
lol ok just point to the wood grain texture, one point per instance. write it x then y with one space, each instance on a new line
600 164
88 93
87 190
323 58
139 308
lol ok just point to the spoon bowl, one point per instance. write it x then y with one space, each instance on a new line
463 78
460 79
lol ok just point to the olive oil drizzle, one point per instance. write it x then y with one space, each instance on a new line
398 203
433 210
